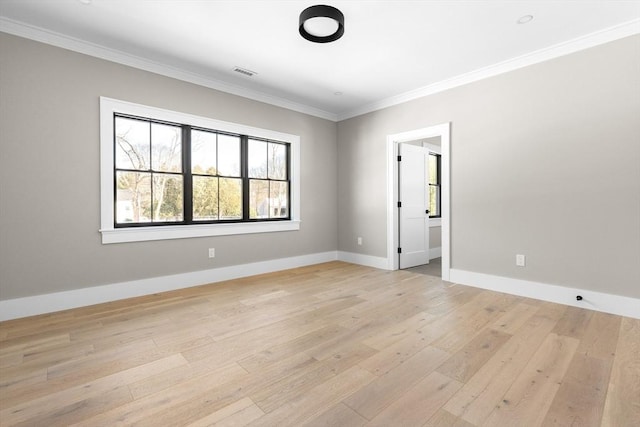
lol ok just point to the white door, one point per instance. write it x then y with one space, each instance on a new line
413 204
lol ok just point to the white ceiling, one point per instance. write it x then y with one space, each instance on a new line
390 49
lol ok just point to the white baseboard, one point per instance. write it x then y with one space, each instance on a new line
377 262
368 260
598 301
47 303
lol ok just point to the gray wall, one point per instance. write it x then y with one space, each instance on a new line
49 174
435 237
545 161
532 151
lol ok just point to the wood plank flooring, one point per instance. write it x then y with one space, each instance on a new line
333 344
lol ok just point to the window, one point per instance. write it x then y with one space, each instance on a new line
148 172
434 185
170 175
268 185
216 180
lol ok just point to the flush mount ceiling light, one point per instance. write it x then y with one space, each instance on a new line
321 24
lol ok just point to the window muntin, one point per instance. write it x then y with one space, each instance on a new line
434 185
168 173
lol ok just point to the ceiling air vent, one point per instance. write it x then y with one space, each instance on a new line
244 71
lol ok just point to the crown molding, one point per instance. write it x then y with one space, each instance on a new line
31 32
77 45
581 43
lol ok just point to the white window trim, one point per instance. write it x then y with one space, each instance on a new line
110 234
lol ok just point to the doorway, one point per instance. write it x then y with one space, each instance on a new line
443 132
434 268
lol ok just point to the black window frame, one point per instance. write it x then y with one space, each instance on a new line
187 176
246 178
438 185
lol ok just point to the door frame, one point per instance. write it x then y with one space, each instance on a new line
444 132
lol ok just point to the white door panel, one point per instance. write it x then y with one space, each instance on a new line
413 218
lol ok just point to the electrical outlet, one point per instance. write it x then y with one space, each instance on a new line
212 252
520 260
359 240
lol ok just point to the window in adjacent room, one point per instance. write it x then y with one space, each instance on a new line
434 185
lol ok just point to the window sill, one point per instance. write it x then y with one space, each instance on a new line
142 234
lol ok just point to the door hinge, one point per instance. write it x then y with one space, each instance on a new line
399 204
399 250
399 158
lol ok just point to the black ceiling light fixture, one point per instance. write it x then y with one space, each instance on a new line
321 24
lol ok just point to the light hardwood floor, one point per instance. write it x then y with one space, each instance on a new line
327 345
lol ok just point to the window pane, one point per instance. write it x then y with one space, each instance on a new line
433 169
132 144
257 159
277 161
278 199
167 197
434 200
166 148
228 155
230 198
133 197
258 199
203 153
205 198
